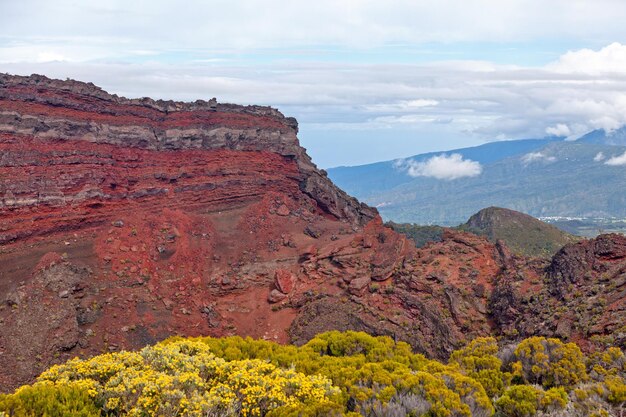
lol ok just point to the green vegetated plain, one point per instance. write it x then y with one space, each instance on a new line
334 374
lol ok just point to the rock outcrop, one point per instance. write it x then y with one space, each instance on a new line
580 297
139 150
179 216
123 222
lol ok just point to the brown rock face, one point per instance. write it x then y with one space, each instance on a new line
581 297
575 262
46 316
123 222
177 213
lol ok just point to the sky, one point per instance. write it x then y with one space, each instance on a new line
367 80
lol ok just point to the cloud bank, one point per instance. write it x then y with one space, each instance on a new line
146 24
617 160
531 157
499 103
441 167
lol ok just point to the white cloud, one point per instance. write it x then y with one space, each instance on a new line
50 57
599 157
400 164
559 130
442 167
421 103
610 59
617 160
266 23
401 106
531 157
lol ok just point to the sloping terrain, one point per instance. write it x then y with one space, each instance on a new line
582 296
563 178
522 233
419 234
368 181
123 222
600 136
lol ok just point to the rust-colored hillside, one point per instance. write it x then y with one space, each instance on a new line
123 222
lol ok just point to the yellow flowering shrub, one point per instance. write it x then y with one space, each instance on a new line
615 389
371 371
554 399
184 378
519 401
549 362
335 374
479 361
613 358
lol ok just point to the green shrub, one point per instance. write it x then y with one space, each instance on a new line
49 400
519 401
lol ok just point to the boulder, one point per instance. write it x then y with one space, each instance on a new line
276 296
284 281
283 210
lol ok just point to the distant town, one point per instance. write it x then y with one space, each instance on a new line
587 226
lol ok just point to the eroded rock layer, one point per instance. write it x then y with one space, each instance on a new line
123 222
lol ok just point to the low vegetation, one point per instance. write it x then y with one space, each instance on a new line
524 235
421 235
335 374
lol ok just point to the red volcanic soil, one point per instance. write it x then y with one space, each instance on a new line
64 185
123 222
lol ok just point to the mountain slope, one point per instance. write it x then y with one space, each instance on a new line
125 221
602 137
366 181
560 179
522 233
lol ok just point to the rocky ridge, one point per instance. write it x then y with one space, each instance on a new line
123 222
58 121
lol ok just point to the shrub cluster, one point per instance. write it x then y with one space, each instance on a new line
335 374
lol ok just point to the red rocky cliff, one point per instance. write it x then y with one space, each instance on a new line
123 222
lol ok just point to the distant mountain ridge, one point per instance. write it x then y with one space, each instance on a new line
616 137
549 177
364 180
